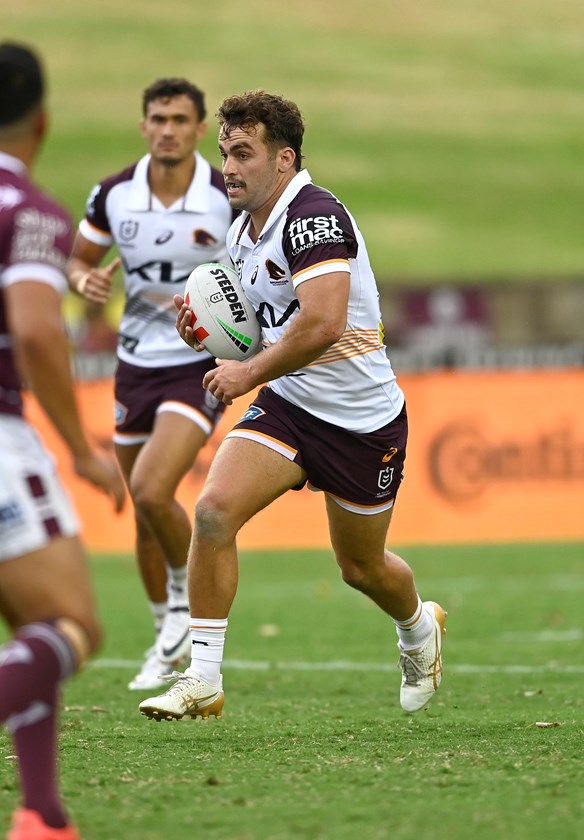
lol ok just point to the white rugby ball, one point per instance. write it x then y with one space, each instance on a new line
224 321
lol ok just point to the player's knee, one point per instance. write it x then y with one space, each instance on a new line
149 500
213 519
353 575
84 636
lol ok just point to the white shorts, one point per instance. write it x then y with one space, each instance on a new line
34 507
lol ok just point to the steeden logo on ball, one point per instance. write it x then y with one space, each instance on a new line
223 319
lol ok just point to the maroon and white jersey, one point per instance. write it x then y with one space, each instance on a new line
309 233
159 247
36 235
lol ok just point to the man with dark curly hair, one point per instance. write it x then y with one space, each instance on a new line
332 414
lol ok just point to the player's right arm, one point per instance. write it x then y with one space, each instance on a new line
41 349
84 274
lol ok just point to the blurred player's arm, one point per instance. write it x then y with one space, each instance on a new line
84 274
41 348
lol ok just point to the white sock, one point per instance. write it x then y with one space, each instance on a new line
207 642
414 631
158 610
177 576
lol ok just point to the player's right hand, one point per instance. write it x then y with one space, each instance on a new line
96 284
184 324
100 469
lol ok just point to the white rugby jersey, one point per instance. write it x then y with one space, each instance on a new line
310 233
159 247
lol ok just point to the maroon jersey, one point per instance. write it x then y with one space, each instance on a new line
36 235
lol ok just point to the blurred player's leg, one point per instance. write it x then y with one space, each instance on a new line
47 600
153 472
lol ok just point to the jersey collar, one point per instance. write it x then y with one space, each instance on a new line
196 199
300 180
13 164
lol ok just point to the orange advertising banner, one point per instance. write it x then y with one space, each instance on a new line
492 457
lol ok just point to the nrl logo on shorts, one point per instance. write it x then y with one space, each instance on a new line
128 230
385 478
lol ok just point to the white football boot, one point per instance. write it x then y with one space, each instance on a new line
190 695
422 668
152 675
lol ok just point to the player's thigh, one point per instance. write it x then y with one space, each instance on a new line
169 453
51 582
357 538
126 455
245 477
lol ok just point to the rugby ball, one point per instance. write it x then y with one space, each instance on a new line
223 321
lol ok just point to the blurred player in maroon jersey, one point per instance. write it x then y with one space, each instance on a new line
45 591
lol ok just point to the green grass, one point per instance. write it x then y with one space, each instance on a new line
453 130
313 743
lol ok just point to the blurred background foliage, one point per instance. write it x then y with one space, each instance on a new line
453 130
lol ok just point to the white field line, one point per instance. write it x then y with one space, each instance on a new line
251 665
545 636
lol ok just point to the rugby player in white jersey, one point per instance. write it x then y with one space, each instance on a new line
332 414
166 214
46 598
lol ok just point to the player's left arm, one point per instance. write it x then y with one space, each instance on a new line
320 322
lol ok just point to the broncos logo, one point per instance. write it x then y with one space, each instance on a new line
274 271
203 237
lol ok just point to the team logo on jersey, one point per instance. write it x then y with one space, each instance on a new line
276 274
10 197
385 478
128 230
203 237
163 237
314 230
31 246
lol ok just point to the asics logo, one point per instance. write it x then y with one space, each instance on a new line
164 237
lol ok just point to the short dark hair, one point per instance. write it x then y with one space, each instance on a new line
22 84
169 88
282 119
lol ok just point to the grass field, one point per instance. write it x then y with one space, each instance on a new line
454 130
313 744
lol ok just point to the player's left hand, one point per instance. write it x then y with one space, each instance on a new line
228 380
